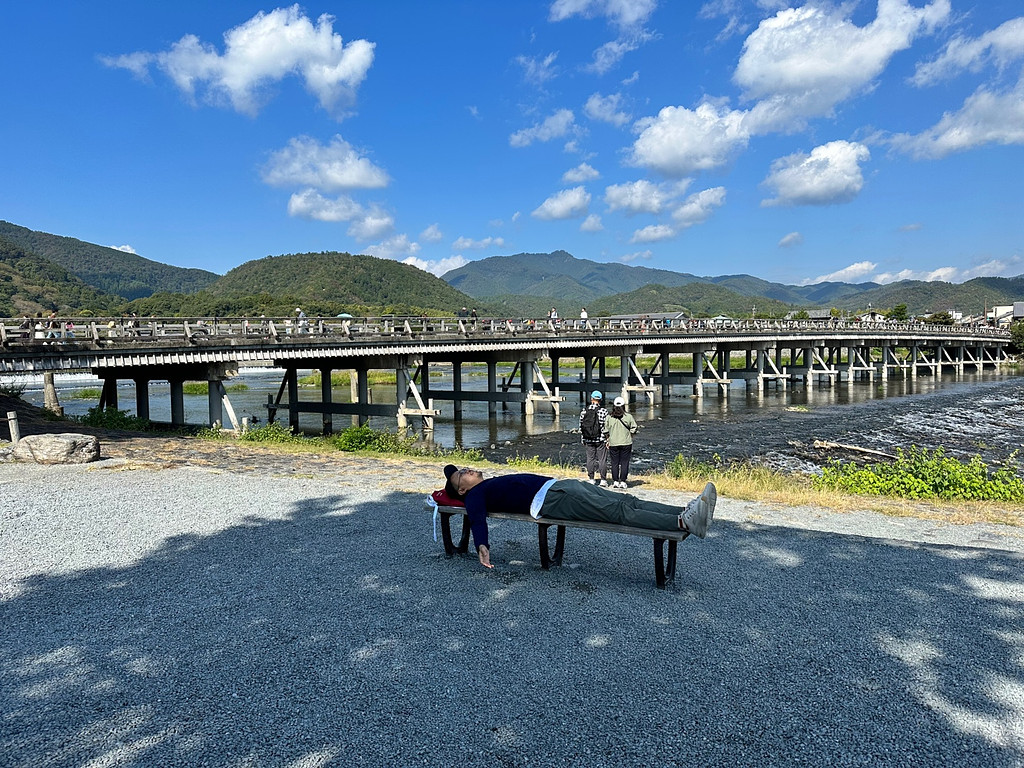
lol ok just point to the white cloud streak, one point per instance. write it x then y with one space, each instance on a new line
1001 46
581 173
555 126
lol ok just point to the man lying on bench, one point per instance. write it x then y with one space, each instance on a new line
545 497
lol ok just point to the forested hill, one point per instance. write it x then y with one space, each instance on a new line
340 279
31 284
108 269
558 275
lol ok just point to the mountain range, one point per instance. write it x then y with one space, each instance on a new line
40 272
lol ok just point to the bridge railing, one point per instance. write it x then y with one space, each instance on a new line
18 332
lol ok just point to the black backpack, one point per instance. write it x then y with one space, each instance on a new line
590 425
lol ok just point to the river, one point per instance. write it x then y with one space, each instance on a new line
971 414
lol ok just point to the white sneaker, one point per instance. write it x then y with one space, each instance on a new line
592 481
604 483
700 512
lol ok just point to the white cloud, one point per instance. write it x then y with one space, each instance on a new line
993 268
607 109
439 267
791 240
432 234
629 257
579 174
653 233
375 222
566 204
592 224
310 204
332 168
393 248
622 13
260 52
844 275
125 248
466 243
553 127
607 56
538 71
680 141
637 197
803 61
985 118
364 223
1002 46
830 174
697 208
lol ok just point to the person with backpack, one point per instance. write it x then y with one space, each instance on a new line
620 428
595 439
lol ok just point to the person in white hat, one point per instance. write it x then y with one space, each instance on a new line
620 428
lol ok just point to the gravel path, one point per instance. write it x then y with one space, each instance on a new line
191 616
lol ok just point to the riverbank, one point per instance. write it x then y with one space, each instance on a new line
179 613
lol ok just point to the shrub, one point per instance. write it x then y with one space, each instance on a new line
922 474
111 418
12 389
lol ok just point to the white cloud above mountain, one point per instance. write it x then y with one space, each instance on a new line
260 52
830 174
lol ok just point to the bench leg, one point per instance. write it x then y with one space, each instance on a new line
663 574
546 561
446 535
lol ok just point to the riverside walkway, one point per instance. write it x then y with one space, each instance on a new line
648 357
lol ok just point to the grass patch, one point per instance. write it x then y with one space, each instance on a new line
341 379
89 393
203 387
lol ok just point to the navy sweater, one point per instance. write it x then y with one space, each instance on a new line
509 493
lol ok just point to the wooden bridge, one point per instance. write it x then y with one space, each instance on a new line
707 353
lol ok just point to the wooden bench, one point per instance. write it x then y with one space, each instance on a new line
664 572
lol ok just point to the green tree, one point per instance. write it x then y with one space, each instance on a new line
898 313
940 318
1017 337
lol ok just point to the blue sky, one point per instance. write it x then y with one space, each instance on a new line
796 142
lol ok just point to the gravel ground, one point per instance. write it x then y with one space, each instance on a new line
161 615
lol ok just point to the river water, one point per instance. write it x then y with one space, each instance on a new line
971 414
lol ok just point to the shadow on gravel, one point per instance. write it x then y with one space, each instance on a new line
340 635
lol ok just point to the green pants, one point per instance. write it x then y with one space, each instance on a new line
573 500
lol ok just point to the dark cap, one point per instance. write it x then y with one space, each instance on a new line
449 489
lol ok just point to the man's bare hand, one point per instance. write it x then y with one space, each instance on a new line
485 556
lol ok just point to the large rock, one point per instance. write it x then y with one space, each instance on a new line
64 448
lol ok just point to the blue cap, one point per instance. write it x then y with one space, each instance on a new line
596 395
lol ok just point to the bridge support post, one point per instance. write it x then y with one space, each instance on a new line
698 372
177 401
492 386
292 380
142 398
214 399
326 395
108 396
457 388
